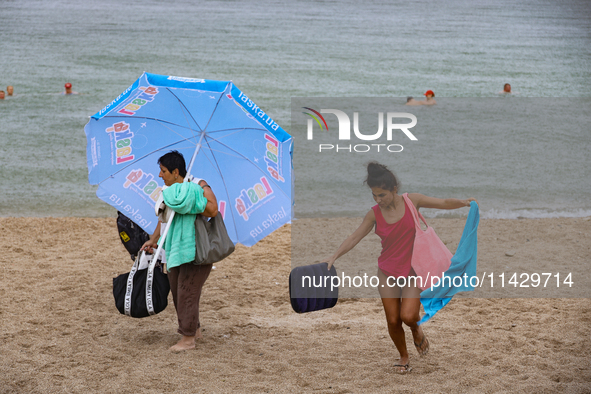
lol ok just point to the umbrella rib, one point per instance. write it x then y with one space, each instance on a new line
160 121
216 166
216 107
149 118
188 139
238 154
204 131
164 123
228 135
237 130
189 112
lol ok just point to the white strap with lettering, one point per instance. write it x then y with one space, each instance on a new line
149 283
129 290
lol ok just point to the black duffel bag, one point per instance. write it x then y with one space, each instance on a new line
141 292
307 291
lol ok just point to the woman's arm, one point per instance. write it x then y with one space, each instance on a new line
422 201
368 222
211 209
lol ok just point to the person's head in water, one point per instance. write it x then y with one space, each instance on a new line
409 98
383 183
9 90
172 168
429 94
1 94
68 87
507 88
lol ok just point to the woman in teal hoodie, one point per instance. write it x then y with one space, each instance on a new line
187 199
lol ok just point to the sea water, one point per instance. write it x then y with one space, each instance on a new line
276 50
519 157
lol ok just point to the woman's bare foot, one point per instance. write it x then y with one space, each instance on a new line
185 343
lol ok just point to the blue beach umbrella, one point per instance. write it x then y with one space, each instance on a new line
225 137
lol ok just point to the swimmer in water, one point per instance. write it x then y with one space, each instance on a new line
9 90
506 89
68 87
411 101
429 100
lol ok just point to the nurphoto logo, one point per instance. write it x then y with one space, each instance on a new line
345 130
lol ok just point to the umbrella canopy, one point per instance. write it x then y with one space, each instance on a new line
241 152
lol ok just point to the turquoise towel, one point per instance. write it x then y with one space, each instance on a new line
463 262
187 200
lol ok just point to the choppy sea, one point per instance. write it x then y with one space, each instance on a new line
523 155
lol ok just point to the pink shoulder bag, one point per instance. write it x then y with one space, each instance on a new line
430 256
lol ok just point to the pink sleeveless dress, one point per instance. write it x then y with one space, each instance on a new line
397 243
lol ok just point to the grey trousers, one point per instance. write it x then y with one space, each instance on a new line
186 283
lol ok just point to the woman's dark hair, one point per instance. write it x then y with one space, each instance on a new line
174 160
378 175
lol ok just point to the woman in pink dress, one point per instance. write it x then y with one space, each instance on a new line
394 224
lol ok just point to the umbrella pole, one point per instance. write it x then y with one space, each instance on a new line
163 235
163 238
197 149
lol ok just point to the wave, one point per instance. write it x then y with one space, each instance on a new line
514 213
535 213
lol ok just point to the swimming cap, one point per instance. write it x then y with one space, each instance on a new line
429 92
68 85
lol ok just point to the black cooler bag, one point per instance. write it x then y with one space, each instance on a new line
307 290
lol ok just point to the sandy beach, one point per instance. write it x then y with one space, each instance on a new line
61 332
